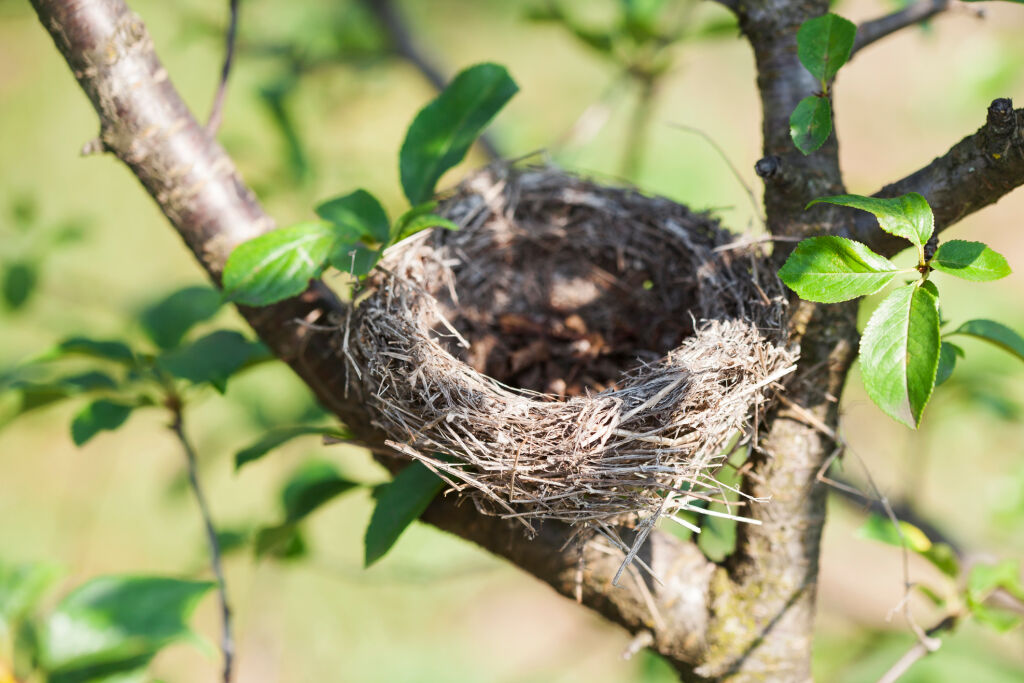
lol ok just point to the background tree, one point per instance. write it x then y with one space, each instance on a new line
761 598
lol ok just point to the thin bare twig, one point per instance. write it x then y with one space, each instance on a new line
919 650
904 605
227 642
217 110
735 173
876 29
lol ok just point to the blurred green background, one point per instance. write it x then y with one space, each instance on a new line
316 108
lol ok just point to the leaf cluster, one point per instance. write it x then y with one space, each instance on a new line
354 229
119 376
903 354
636 37
823 46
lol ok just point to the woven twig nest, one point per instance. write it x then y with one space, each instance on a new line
574 352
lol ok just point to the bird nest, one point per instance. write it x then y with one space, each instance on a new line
574 352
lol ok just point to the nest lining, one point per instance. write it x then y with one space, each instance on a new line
622 349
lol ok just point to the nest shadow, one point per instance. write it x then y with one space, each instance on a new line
574 352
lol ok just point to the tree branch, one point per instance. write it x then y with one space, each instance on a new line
976 172
876 29
770 582
144 123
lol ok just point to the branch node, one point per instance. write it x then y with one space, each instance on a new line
1001 118
768 167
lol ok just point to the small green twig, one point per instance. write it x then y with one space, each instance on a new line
174 404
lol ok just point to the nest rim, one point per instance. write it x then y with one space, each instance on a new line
642 451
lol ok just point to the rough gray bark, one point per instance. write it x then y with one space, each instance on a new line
748 619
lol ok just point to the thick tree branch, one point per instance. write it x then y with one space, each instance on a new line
764 600
145 123
976 172
876 29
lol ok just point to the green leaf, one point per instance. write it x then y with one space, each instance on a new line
359 215
642 18
279 437
24 211
357 259
443 131
213 358
899 353
947 361
309 487
985 578
970 260
418 218
880 528
93 348
232 540
21 589
100 415
811 123
20 281
283 542
1001 620
944 558
823 44
279 264
40 394
994 333
907 216
421 223
831 269
117 624
934 290
399 503
168 321
934 597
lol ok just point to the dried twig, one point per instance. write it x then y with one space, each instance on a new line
755 205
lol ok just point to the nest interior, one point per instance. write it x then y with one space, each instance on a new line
574 352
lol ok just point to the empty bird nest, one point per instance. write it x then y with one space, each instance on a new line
574 352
